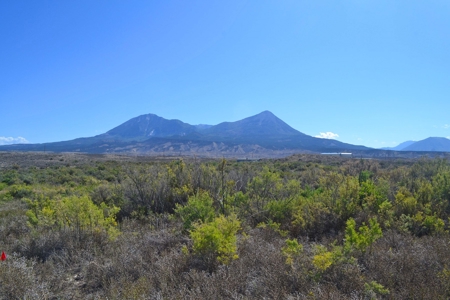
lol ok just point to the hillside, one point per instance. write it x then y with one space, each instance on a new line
430 144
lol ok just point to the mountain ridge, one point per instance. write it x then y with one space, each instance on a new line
149 133
431 144
400 146
439 144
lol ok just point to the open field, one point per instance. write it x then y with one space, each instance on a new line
78 226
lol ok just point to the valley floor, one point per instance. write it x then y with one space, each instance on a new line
78 226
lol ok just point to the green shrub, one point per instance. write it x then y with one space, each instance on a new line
198 208
237 203
362 238
77 213
273 226
9 177
216 240
323 258
20 191
291 250
422 224
373 288
405 202
372 195
386 213
312 217
263 188
347 204
280 211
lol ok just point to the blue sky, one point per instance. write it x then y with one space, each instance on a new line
375 73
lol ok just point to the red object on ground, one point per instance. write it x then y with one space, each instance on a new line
3 257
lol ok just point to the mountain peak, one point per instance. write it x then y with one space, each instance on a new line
150 125
266 113
264 124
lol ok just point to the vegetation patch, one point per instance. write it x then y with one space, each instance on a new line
103 227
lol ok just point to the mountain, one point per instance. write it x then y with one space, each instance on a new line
399 147
265 125
439 144
263 134
268 131
147 126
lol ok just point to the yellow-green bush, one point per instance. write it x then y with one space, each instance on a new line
198 208
216 239
405 202
291 250
347 203
323 258
78 213
362 238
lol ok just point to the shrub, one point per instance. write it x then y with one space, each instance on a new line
312 218
198 208
280 211
216 239
78 213
364 238
405 202
323 259
20 191
421 224
291 250
373 288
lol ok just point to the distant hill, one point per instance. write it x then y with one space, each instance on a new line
263 134
439 144
400 146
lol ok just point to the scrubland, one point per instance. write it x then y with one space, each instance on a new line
304 227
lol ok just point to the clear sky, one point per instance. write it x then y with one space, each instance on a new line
375 73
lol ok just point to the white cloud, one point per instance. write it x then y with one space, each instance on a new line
327 135
446 126
11 140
